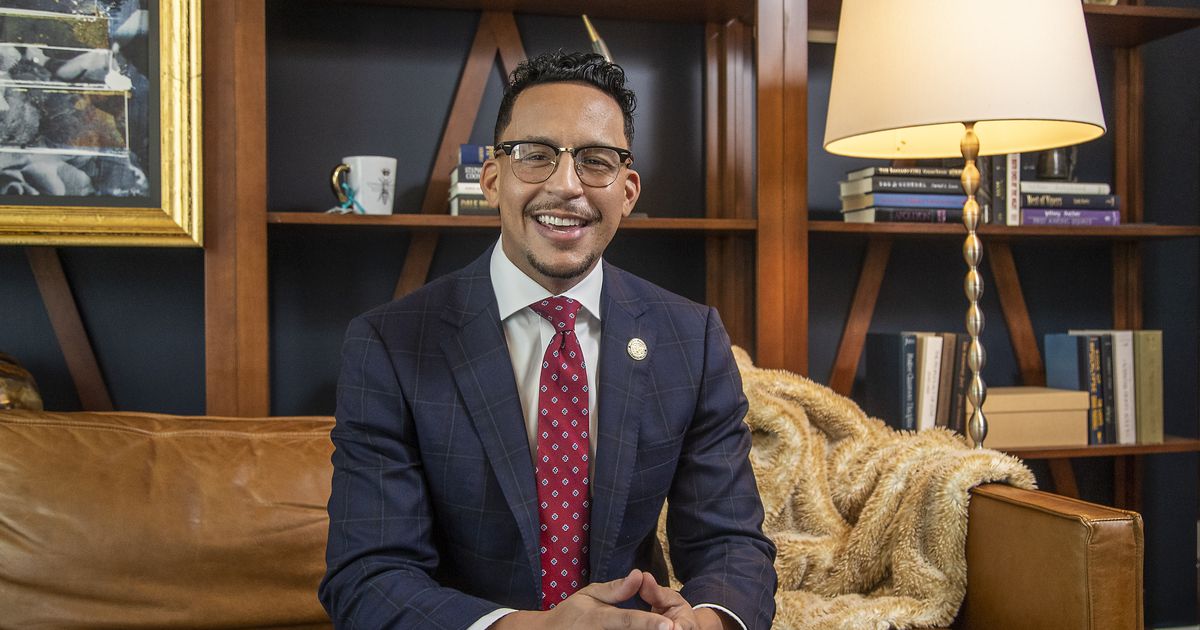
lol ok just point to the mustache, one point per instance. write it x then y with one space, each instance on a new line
582 209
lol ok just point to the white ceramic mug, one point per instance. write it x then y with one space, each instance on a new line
365 184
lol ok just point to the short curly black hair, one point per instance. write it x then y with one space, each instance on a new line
560 66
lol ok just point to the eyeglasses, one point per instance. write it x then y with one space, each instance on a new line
534 162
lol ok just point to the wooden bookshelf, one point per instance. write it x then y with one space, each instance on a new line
1129 232
448 222
1170 444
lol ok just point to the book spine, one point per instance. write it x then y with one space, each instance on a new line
899 184
475 153
902 215
908 391
903 200
906 171
1049 216
1148 373
466 188
1095 388
1109 388
1066 188
1123 380
1012 189
983 194
1102 202
465 173
945 385
999 181
962 379
471 204
929 366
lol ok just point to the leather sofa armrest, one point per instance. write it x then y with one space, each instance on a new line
1039 560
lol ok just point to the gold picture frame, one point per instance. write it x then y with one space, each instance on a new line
178 219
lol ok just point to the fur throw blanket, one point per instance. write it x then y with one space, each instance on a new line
870 522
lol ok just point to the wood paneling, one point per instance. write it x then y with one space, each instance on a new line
729 185
235 202
782 165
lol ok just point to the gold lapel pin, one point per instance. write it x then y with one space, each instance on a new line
636 349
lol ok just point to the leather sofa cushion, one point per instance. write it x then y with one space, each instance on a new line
146 520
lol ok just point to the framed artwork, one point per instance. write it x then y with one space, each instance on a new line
100 136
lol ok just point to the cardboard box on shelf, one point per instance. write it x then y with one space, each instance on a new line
1023 417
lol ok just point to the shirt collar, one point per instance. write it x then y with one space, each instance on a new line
515 290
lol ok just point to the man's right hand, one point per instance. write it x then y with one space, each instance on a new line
594 607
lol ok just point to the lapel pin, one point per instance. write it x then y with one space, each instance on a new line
636 349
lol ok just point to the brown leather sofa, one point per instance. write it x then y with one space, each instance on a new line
152 521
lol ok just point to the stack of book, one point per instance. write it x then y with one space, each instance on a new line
917 380
1009 193
907 194
466 196
1025 200
1122 372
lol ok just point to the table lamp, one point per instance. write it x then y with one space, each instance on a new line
942 78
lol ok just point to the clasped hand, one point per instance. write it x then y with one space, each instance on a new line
594 607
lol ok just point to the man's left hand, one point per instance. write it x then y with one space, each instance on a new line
670 604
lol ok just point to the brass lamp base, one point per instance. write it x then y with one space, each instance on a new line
973 286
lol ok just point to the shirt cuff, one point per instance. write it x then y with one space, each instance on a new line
722 609
487 620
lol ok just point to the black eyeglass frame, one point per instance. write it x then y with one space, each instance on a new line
625 156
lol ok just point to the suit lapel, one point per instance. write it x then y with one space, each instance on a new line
621 381
479 360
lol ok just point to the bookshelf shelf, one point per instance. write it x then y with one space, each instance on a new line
1129 25
448 222
668 10
1130 232
1170 444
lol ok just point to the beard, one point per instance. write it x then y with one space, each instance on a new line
562 272
567 271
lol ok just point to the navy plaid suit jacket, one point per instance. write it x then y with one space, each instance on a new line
433 512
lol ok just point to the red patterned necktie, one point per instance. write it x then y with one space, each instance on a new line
562 456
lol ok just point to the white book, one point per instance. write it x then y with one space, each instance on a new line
465 188
1124 392
929 371
1012 189
1066 188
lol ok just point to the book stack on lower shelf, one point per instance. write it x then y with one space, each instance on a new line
466 196
917 380
902 194
1121 372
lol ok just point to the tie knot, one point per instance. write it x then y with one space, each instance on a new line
559 311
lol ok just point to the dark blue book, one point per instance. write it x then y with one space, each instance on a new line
474 153
902 200
891 387
1074 362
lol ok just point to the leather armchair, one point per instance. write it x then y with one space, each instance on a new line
148 520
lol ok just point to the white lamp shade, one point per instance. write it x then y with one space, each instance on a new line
908 73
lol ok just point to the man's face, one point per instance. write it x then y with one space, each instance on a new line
556 231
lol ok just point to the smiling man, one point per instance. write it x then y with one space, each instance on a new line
506 436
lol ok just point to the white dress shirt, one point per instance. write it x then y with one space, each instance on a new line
528 334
